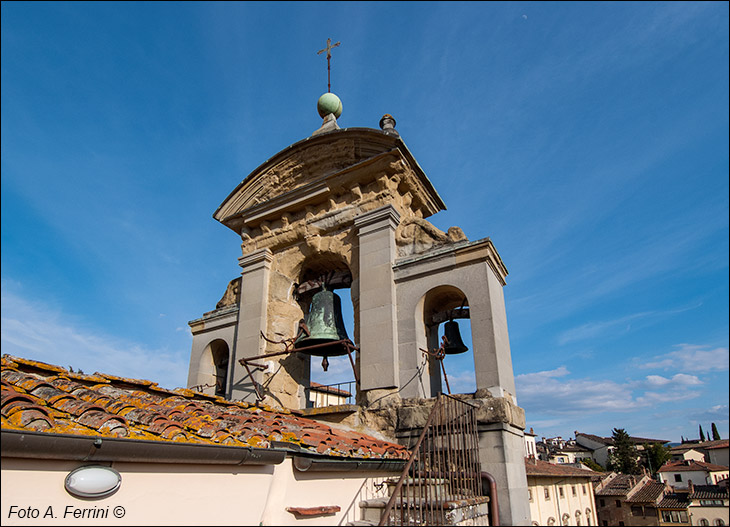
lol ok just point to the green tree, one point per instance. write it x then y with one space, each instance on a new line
593 465
624 456
656 455
702 434
715 433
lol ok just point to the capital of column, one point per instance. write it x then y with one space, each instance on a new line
256 260
381 218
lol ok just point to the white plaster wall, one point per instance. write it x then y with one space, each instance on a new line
711 514
169 494
719 456
541 509
690 454
696 476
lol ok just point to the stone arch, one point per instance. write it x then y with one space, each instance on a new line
565 519
333 269
213 368
551 521
436 307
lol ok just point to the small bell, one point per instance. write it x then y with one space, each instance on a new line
453 344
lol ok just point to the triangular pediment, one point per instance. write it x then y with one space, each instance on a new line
319 167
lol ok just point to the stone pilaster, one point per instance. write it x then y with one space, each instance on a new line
378 328
502 454
251 319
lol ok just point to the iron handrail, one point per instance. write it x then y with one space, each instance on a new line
407 468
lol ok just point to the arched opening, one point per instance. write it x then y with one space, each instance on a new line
448 332
213 370
331 374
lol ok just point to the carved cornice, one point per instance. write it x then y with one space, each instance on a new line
321 168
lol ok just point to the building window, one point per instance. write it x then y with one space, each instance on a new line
618 504
704 522
551 521
602 502
718 521
677 477
584 489
636 511
560 490
572 488
529 494
547 494
674 516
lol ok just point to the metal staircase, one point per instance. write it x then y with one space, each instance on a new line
442 483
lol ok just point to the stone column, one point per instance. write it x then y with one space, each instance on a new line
378 329
251 320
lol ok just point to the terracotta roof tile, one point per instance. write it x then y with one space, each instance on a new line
43 397
649 493
690 465
709 492
674 501
618 486
538 467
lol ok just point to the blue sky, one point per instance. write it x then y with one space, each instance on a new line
589 141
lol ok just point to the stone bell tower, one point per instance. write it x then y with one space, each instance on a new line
351 205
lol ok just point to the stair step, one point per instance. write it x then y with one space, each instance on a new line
455 511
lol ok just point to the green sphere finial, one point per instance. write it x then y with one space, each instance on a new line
329 103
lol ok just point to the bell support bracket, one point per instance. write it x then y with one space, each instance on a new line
288 348
439 355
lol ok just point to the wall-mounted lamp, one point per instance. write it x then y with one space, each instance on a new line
93 481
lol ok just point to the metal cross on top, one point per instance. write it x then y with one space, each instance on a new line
329 47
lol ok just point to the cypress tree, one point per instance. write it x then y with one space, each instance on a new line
715 433
623 458
702 435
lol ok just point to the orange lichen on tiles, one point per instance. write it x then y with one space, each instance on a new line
45 398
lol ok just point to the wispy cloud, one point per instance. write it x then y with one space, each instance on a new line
36 331
680 379
690 357
592 330
552 392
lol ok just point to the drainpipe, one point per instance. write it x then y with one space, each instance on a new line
277 494
487 478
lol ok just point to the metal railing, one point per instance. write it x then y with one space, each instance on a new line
321 395
443 472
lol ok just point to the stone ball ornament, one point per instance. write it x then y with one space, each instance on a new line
329 103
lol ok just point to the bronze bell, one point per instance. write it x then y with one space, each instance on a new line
453 344
326 327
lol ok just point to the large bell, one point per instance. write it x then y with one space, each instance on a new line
325 325
453 344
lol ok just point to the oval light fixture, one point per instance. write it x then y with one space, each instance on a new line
93 481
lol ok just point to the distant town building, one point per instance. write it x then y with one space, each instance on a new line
623 499
680 473
560 495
